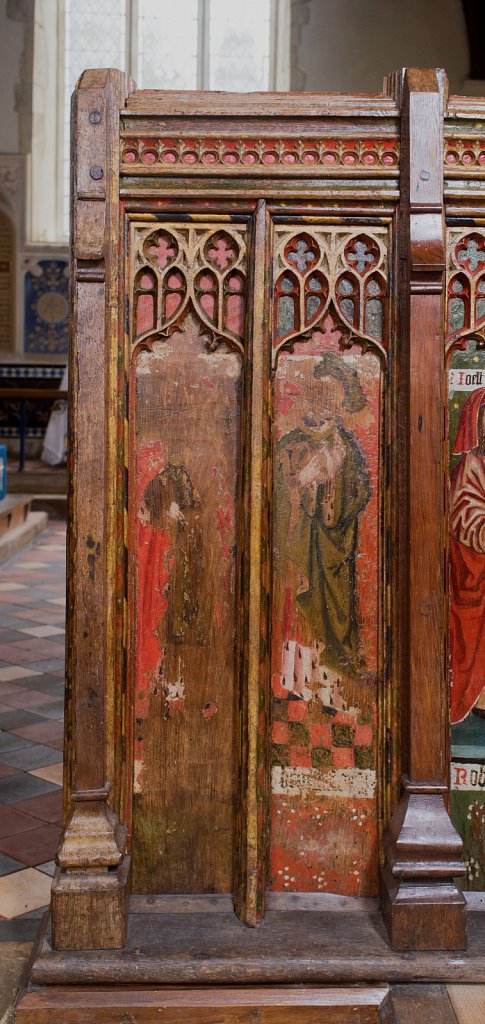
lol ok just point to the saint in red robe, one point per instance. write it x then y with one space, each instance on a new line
467 559
152 552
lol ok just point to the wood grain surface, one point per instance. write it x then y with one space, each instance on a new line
468 1002
422 907
410 1004
288 947
229 1006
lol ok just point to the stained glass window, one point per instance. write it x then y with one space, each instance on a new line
167 44
94 37
186 44
239 45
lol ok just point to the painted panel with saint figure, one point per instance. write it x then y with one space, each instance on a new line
326 540
188 322
466 542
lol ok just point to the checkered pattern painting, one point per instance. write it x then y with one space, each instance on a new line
323 814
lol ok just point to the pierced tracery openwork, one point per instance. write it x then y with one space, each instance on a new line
201 267
329 267
466 283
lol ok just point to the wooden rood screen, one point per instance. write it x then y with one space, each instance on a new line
255 445
255 349
258 635
255 358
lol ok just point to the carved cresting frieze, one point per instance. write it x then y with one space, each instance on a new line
464 155
154 154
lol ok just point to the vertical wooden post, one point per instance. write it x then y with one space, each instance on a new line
89 890
253 854
422 907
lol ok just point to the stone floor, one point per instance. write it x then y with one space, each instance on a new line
32 609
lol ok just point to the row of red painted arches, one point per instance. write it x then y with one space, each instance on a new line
329 152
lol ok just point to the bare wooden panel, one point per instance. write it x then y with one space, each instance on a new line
197 104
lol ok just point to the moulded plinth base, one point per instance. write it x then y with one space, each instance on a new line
427 915
303 939
332 947
89 910
322 944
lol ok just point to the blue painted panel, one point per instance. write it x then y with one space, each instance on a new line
3 471
46 297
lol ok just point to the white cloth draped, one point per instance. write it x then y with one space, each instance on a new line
54 449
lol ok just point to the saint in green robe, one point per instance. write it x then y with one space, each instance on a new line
325 542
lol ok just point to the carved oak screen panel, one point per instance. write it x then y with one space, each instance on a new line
466 439
329 324
188 291
187 287
262 508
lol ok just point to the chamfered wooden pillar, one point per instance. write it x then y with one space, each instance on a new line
89 889
422 907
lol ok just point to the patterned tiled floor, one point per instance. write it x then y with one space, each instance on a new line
32 600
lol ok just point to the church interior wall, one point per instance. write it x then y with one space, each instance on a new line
11 46
34 276
348 46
